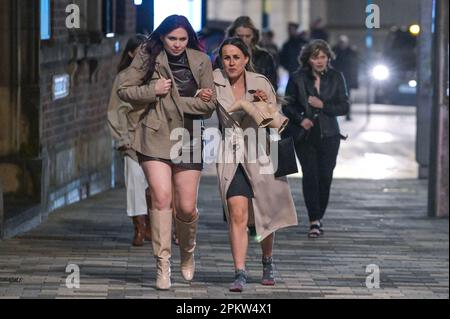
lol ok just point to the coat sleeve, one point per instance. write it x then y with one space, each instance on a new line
340 104
195 105
116 118
124 133
293 108
131 87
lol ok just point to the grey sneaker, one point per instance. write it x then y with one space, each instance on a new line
268 278
240 279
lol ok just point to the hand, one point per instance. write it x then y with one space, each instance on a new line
163 87
124 148
315 102
205 95
307 124
260 95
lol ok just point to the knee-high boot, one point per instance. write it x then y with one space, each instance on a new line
161 221
187 233
148 224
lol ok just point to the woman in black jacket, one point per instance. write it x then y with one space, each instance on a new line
316 95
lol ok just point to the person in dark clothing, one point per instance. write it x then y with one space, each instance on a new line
316 94
268 44
318 31
291 49
347 62
263 62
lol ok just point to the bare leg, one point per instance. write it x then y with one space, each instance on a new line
238 209
267 246
186 184
159 179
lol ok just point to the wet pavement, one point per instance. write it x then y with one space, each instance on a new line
376 224
379 222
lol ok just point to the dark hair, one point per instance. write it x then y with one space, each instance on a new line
153 46
132 44
237 42
246 22
313 49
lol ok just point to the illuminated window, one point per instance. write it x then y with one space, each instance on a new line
45 20
108 18
192 9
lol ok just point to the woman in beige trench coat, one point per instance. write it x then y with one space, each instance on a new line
249 190
165 76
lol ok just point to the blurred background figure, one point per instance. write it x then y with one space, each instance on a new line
318 31
292 47
263 62
267 42
347 62
211 37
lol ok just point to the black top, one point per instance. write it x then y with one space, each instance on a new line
182 74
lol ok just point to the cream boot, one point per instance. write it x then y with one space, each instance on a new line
261 118
148 226
279 120
187 233
161 221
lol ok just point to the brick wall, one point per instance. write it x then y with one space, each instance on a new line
75 141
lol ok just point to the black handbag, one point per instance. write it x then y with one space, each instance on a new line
287 162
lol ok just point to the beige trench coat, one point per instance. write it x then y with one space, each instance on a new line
273 207
163 114
122 121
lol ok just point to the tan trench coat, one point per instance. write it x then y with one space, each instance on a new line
163 114
273 207
122 120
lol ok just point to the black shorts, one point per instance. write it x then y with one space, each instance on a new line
188 166
240 185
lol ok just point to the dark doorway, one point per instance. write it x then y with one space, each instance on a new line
20 166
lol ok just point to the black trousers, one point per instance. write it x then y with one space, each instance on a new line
318 159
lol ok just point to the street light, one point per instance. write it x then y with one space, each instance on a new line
380 72
414 29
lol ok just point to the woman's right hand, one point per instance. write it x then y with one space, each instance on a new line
307 124
163 87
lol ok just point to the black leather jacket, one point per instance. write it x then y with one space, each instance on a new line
264 63
333 93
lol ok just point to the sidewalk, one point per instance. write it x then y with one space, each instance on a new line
369 222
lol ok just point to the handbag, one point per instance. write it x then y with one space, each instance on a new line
287 162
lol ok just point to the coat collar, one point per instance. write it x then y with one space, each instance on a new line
221 79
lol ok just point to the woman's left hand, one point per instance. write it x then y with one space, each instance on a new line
315 102
206 95
260 95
